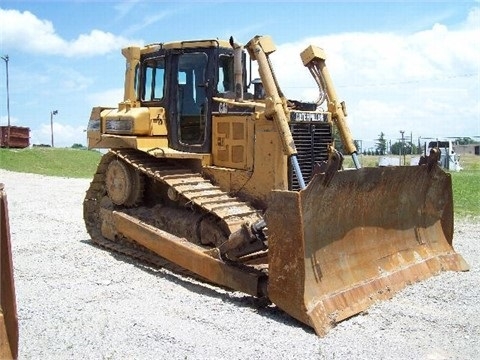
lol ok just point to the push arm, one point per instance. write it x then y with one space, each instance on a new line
314 59
276 106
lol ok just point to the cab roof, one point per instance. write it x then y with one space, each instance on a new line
188 44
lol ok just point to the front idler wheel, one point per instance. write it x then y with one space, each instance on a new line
124 185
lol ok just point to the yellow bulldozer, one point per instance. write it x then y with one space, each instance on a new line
8 305
217 172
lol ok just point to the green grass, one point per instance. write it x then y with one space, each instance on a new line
79 163
466 187
465 183
64 162
466 193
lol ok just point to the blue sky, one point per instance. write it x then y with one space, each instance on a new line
411 65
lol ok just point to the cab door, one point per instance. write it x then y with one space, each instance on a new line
190 103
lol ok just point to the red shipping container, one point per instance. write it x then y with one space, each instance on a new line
19 137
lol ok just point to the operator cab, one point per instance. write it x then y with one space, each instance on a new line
183 78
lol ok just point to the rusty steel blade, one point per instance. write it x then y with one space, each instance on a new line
335 249
8 307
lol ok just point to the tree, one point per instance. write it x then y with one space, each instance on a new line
338 141
414 148
381 145
398 148
78 146
402 148
464 141
419 148
358 145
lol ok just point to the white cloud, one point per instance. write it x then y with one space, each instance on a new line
369 58
107 98
426 82
13 121
148 20
66 80
25 32
124 7
473 19
96 43
63 135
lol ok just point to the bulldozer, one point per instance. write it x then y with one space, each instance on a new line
216 172
8 305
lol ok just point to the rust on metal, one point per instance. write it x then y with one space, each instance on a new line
329 251
8 307
334 250
192 257
14 137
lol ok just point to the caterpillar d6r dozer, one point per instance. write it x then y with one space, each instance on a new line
8 305
246 190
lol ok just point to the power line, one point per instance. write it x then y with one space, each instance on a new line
394 83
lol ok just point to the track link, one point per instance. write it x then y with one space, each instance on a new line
233 212
229 211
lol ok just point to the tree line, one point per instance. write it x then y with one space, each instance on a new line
383 147
406 146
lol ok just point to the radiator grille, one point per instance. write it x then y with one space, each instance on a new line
311 140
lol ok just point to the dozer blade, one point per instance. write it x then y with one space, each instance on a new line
335 249
8 307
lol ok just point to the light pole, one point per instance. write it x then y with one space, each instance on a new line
402 150
6 58
54 112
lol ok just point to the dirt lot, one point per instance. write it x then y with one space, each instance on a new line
76 301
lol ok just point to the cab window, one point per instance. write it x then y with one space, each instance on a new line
154 79
226 82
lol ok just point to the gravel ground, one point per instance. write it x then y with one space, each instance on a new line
77 301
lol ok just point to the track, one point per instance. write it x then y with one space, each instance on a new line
197 193
193 187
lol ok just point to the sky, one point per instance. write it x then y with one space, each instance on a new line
411 66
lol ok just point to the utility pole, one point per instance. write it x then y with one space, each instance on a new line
402 150
6 58
54 112
411 143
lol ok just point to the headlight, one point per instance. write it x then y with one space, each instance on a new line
93 125
118 126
